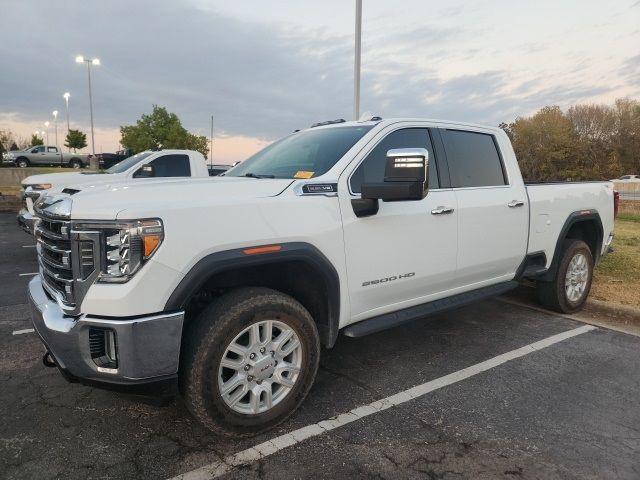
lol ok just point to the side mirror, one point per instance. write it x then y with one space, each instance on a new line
146 171
406 177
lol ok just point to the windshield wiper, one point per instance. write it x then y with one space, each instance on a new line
253 175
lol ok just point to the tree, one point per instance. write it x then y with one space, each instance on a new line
36 140
595 127
14 146
75 139
588 142
545 144
627 134
160 129
6 138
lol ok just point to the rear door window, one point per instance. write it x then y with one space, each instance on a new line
474 159
172 166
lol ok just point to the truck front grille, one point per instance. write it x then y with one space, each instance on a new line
54 258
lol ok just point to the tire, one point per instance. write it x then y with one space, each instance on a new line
557 295
75 164
22 163
202 377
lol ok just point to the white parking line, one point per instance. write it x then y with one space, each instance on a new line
21 332
27 274
28 246
274 445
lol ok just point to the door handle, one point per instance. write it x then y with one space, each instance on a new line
515 203
441 211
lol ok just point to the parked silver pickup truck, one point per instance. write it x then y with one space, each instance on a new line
45 155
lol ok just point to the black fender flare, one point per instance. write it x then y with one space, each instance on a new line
219 262
574 218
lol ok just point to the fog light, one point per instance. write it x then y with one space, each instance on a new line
103 348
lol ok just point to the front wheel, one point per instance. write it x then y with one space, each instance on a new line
568 291
22 163
249 361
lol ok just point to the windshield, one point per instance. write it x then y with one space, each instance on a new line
301 155
127 163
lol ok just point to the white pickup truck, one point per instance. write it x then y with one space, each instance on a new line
144 165
227 287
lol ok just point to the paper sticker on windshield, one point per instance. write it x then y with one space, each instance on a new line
303 174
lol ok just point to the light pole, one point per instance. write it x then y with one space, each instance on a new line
211 143
89 62
46 124
356 63
66 101
55 122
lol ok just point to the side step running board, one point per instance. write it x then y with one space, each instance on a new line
393 319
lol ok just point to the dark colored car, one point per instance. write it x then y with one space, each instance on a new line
215 170
108 160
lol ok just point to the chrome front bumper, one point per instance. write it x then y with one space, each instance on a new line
26 221
147 348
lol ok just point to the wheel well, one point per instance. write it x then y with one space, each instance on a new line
296 278
589 232
583 225
22 158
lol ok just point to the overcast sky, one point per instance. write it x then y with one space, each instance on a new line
266 67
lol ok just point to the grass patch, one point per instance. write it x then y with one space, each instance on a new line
617 278
629 217
10 190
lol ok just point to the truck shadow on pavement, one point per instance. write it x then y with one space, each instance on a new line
51 428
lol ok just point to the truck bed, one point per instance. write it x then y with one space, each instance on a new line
551 204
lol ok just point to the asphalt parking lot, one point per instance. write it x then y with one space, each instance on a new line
562 408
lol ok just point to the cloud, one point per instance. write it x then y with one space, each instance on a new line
631 69
259 80
255 79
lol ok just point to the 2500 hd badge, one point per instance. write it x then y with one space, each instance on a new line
388 279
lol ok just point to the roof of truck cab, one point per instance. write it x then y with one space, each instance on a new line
389 121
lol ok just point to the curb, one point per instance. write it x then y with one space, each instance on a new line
614 309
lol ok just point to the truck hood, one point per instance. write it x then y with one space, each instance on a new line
63 180
141 199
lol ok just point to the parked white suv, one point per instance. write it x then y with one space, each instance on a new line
227 286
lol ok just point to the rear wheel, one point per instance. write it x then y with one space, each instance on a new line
22 163
568 291
249 361
75 164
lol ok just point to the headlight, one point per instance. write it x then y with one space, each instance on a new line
125 246
37 186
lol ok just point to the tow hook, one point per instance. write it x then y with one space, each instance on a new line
48 360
